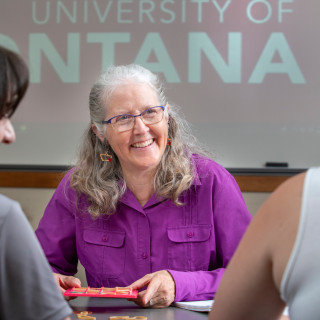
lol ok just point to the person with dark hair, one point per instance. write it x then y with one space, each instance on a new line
145 205
14 80
27 287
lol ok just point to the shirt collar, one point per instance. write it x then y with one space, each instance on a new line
130 200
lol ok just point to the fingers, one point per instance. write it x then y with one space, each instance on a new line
66 282
70 282
153 288
160 301
160 292
139 300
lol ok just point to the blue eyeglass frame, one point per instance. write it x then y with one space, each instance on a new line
132 115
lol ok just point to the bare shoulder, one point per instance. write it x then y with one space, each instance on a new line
279 205
253 275
290 190
280 214
283 202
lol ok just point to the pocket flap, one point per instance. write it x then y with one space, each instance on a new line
189 233
103 238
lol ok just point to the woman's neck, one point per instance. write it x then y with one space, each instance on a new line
141 185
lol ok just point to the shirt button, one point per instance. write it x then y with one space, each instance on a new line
104 238
190 234
144 255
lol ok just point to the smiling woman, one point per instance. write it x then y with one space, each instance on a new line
139 144
145 206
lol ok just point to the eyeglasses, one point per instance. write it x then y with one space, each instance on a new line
125 122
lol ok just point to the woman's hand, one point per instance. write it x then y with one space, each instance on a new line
66 282
160 292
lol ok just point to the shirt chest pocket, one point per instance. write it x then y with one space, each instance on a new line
104 252
189 247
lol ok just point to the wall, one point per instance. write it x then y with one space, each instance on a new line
244 72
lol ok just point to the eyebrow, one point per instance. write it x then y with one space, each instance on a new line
141 109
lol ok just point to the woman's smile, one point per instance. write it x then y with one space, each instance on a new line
142 147
142 144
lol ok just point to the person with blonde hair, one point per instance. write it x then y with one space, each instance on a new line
145 206
27 287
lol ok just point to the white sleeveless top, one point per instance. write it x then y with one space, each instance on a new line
300 285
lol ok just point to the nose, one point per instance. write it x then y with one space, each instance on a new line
8 135
139 127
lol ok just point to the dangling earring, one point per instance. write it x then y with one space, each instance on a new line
105 157
169 142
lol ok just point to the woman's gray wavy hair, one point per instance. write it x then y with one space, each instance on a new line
103 182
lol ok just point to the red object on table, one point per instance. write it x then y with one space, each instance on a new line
117 292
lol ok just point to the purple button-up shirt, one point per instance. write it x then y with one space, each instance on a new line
194 242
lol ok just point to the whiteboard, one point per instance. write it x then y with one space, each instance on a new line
244 73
